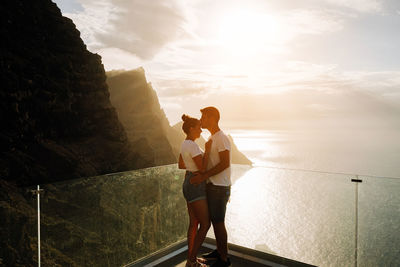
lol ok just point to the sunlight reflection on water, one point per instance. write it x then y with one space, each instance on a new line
309 217
372 153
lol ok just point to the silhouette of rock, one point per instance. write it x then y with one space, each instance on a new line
237 156
56 116
57 124
140 113
18 227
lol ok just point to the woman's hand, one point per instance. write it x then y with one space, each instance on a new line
181 163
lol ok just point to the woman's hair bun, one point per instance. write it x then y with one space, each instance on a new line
185 117
188 122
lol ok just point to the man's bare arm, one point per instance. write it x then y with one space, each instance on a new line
222 165
206 156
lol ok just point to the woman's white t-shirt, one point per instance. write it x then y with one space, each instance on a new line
189 150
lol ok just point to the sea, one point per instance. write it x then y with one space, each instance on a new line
300 199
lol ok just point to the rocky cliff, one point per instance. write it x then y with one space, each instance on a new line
109 220
18 227
56 116
58 123
146 124
140 113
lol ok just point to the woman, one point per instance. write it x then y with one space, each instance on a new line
192 159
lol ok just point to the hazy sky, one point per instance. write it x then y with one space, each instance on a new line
260 62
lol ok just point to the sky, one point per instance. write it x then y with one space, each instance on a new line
262 63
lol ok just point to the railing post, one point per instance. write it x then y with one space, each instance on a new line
37 193
356 220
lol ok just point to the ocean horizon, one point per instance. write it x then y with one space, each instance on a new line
362 152
298 200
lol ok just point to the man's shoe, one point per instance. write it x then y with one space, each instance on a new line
213 255
221 263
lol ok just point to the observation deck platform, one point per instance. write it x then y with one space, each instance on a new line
175 255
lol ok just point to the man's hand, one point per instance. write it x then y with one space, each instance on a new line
208 145
197 179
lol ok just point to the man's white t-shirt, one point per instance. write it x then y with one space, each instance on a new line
189 150
220 142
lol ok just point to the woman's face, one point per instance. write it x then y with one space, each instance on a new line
196 131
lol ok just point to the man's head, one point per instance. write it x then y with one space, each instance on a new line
209 117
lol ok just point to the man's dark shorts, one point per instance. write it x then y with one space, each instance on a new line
217 197
193 192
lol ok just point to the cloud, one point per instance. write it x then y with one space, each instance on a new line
92 19
144 27
69 6
320 108
182 88
296 91
363 6
279 80
180 61
116 58
139 27
383 83
171 105
312 21
236 76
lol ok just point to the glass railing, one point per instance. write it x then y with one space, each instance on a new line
378 221
324 219
18 226
114 219
304 216
34 224
320 218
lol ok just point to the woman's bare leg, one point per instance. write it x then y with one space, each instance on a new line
200 210
192 230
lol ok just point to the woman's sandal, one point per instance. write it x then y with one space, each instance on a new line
201 260
195 264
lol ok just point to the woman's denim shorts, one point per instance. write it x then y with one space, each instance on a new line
193 192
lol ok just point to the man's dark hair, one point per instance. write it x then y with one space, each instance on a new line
211 111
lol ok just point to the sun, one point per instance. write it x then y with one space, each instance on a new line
247 32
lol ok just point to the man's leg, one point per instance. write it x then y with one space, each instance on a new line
221 237
218 197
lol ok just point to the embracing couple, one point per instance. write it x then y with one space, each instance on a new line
207 186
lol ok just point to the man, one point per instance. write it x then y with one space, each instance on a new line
218 187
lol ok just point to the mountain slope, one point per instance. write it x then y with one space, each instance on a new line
140 113
58 122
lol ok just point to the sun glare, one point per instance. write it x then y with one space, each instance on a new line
246 32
